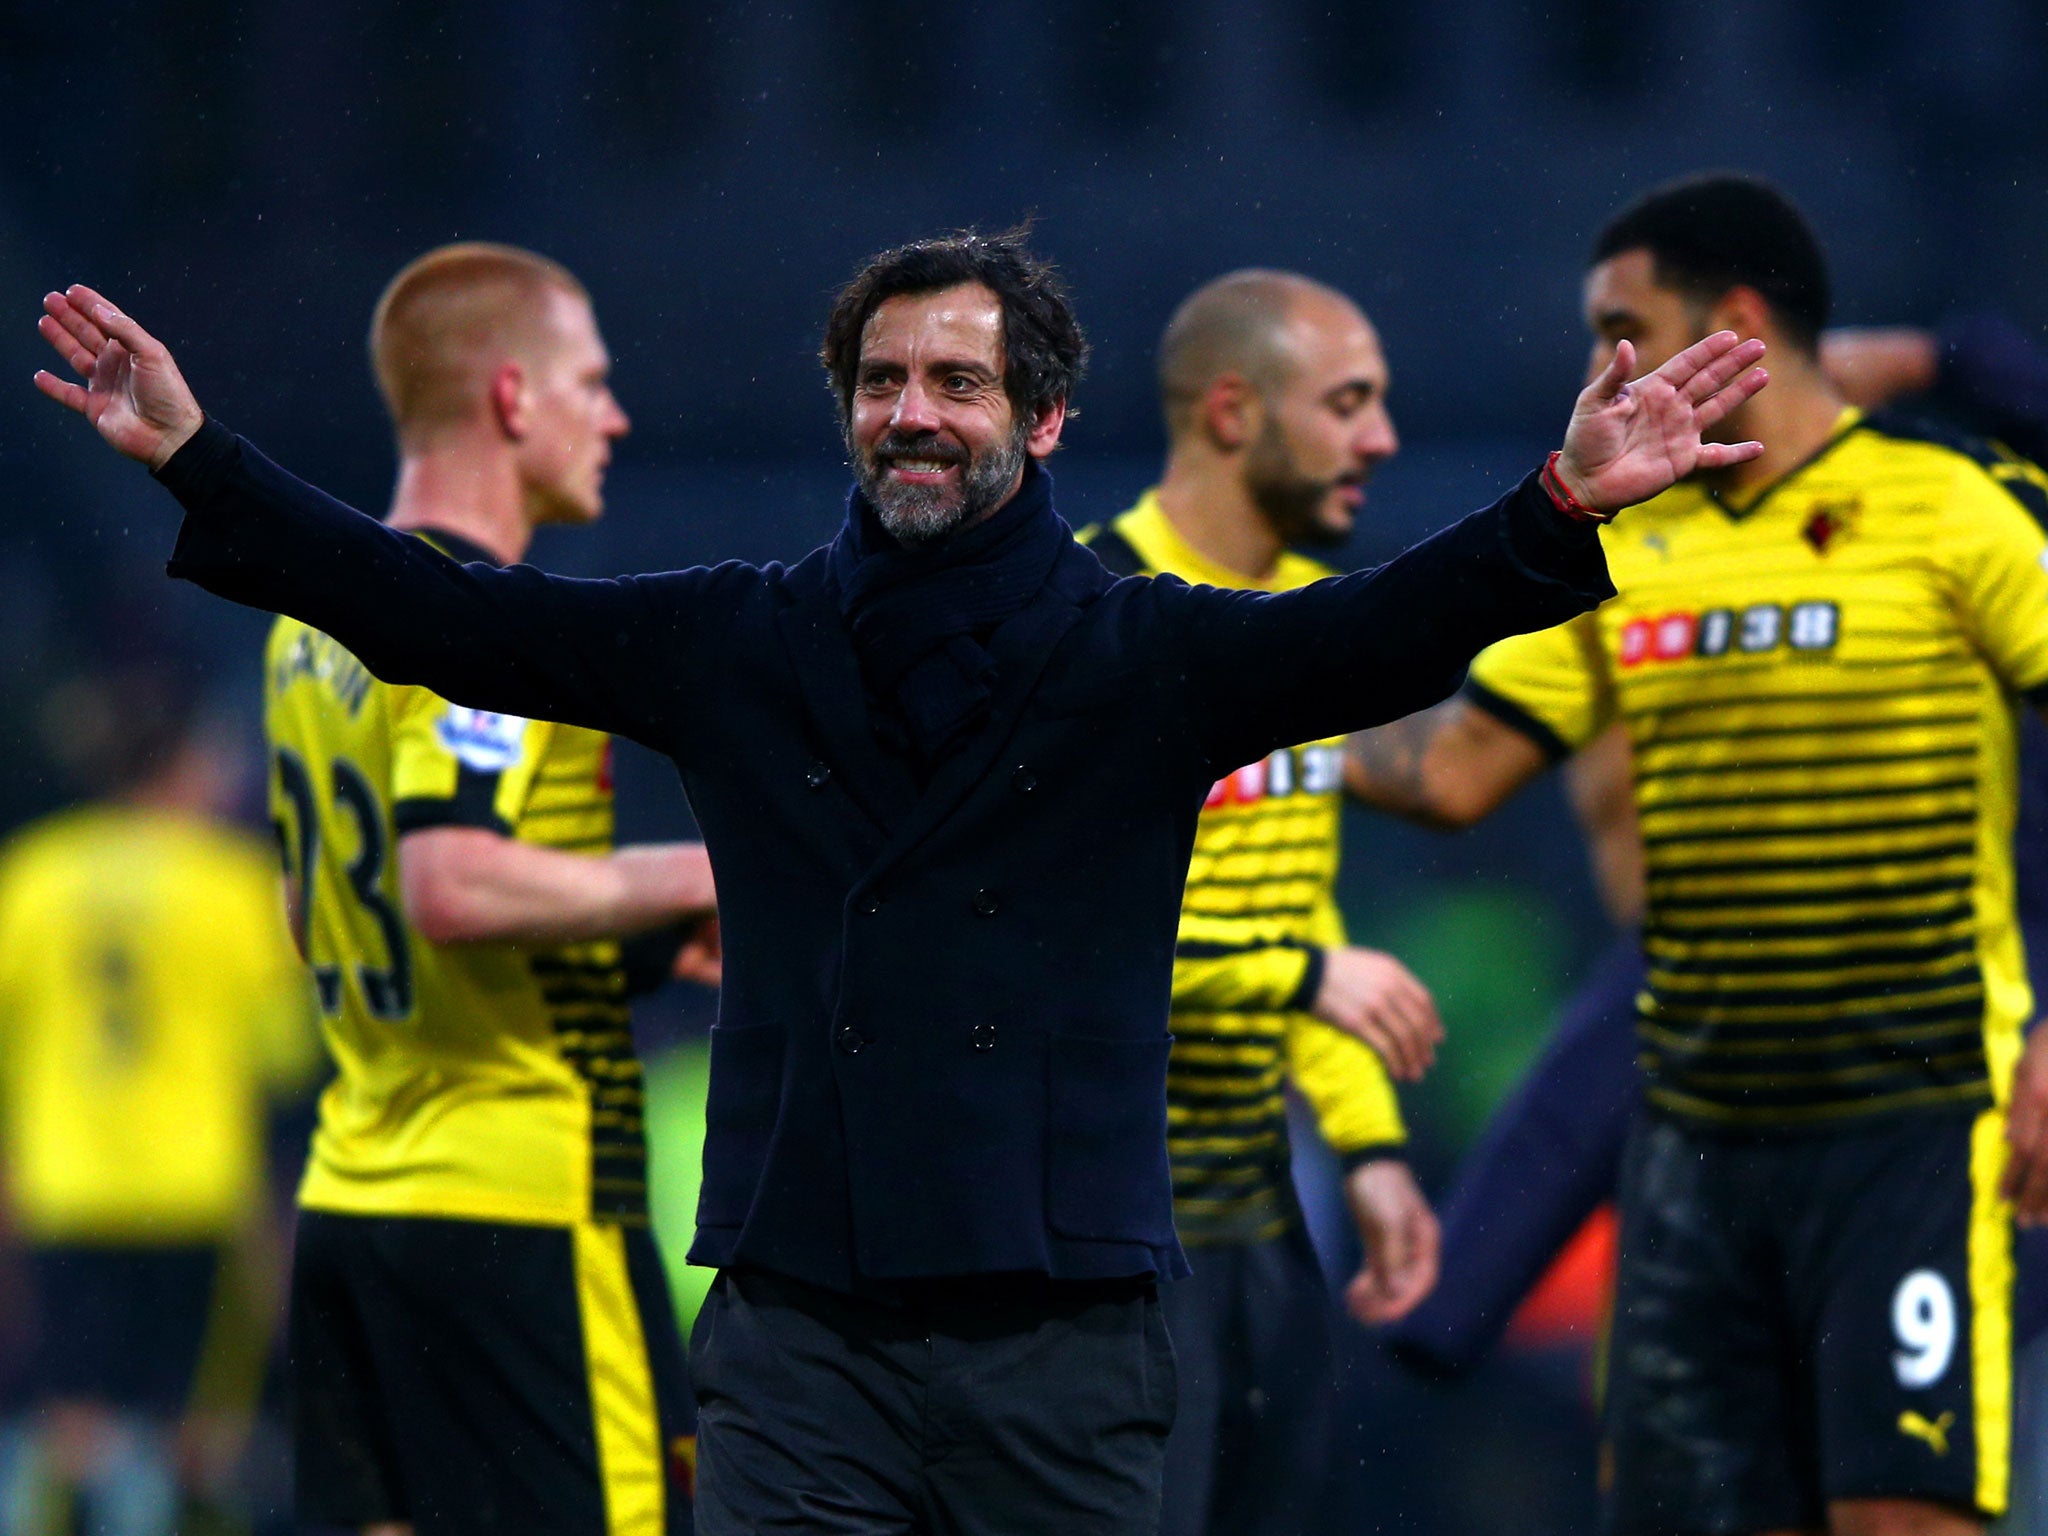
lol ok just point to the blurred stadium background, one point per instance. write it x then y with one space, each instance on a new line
246 177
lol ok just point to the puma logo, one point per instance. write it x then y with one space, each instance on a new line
1933 1431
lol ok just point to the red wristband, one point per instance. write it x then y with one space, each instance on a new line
1561 496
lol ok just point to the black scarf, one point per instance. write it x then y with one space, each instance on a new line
921 615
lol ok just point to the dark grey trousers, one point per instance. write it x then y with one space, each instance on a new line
964 1412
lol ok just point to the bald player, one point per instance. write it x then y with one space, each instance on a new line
481 1336
1274 391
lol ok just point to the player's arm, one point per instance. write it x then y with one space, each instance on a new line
1366 994
1445 767
609 655
470 885
1348 1088
1601 788
1402 1241
1981 365
1546 1161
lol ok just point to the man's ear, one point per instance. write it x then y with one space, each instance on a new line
1744 311
509 405
1231 412
1046 427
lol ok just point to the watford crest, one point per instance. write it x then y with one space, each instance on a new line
1830 522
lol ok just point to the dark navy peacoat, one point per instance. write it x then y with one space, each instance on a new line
941 1045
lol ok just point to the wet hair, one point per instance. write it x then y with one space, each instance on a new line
1707 234
445 322
1044 352
1232 324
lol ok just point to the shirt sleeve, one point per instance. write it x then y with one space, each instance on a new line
1552 686
1995 556
453 766
1256 978
1347 1086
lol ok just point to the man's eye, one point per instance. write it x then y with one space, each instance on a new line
960 384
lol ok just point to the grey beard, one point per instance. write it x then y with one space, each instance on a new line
918 514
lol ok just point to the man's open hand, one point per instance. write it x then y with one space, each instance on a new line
1630 441
133 393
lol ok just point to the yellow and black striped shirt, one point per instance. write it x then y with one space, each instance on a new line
1820 687
482 1082
1259 910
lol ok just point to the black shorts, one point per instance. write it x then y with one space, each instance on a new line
122 1326
1810 1318
471 1376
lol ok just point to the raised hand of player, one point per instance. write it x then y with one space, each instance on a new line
1378 999
133 393
1630 440
1402 1242
2026 1133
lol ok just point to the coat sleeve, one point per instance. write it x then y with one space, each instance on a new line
1266 670
610 655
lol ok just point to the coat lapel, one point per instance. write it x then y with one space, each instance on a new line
1021 646
821 655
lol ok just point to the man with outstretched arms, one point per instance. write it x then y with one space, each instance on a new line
1274 390
950 770
1816 655
482 1338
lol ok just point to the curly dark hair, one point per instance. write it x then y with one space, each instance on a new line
1712 232
1044 350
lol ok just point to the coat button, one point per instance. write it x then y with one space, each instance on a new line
1024 780
818 775
985 903
851 1040
869 902
984 1037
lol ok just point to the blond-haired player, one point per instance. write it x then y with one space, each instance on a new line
481 1334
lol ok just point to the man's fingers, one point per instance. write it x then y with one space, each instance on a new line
1728 397
65 345
1719 370
89 302
63 391
64 316
1616 374
1721 455
118 325
1683 367
1424 1007
1425 1256
1392 1046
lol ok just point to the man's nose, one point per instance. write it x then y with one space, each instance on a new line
618 424
1377 438
915 410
